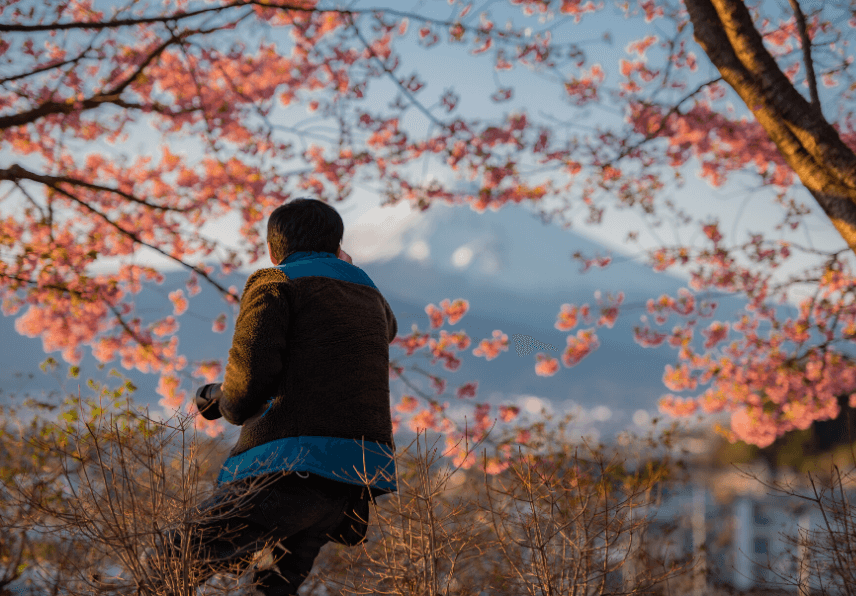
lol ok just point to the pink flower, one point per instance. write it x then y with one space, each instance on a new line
495 466
167 326
546 366
467 390
490 349
679 379
508 413
715 333
408 404
193 285
209 370
168 385
677 407
579 347
567 318
752 428
648 338
423 420
212 428
219 325
179 302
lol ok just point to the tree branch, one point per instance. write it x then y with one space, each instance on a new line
111 96
806 48
672 110
16 173
392 76
764 87
78 294
138 240
809 144
44 68
17 28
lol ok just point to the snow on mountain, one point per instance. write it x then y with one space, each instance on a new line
510 249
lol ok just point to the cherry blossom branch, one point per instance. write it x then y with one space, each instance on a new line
111 96
405 91
410 384
82 296
400 15
209 137
18 28
140 340
45 68
138 240
806 48
174 38
35 204
673 110
57 287
178 16
15 173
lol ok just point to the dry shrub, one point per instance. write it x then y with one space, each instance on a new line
99 488
570 519
561 518
820 556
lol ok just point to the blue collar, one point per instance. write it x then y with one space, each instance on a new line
316 263
303 255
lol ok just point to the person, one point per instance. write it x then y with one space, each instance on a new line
307 379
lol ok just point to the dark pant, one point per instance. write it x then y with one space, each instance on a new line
301 514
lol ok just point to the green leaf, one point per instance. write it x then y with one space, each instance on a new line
73 372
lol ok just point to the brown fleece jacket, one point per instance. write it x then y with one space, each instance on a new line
319 347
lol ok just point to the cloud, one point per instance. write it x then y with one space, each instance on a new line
378 234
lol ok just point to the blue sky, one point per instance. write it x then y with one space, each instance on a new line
740 209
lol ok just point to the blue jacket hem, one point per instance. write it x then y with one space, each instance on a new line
346 460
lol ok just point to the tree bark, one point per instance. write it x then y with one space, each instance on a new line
808 143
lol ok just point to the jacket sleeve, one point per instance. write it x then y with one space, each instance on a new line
255 361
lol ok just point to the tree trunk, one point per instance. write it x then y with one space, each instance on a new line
808 143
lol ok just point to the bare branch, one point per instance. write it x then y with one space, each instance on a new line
392 76
45 68
806 48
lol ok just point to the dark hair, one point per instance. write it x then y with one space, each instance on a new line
304 224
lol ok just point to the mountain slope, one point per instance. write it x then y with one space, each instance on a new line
514 270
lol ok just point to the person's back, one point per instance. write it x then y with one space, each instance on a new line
307 378
307 360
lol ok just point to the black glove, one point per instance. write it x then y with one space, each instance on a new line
206 401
